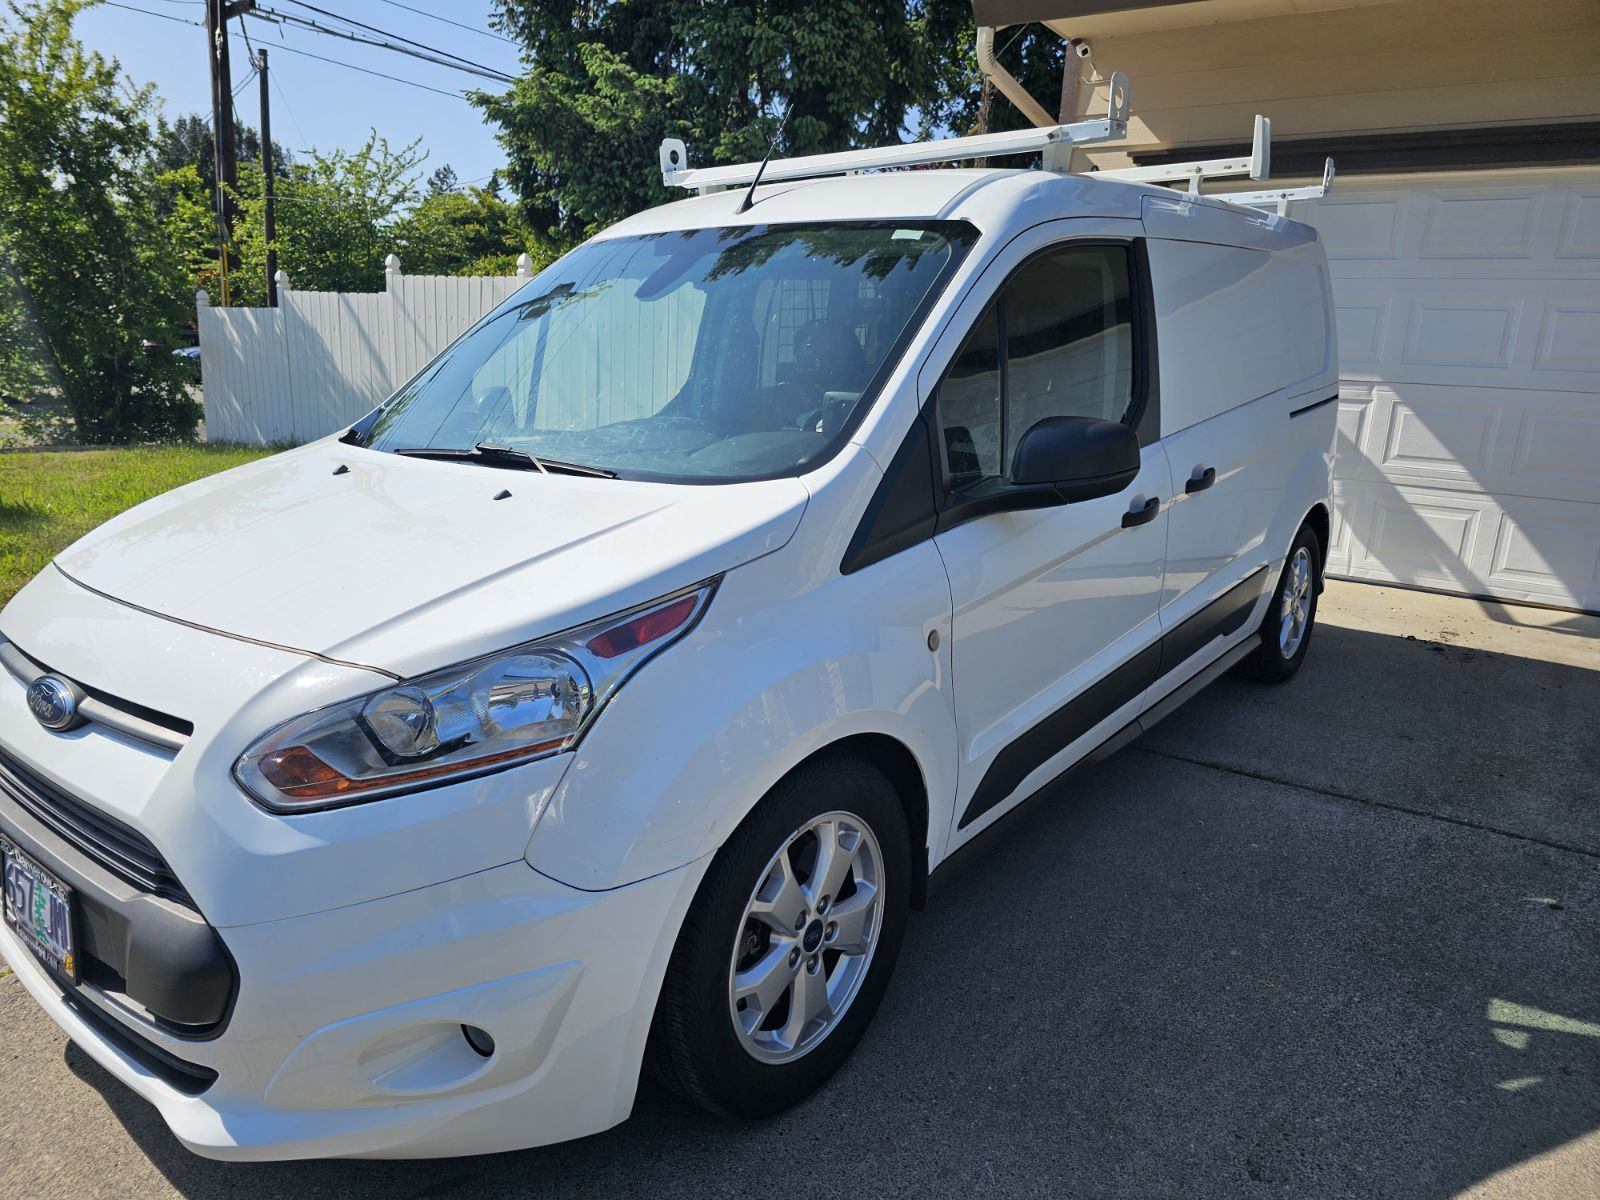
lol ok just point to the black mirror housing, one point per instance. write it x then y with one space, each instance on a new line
1080 457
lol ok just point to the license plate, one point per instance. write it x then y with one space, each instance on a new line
38 907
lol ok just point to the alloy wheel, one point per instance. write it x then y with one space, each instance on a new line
1294 613
807 938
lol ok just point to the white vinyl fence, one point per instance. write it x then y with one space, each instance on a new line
320 360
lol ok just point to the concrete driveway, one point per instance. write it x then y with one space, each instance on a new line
1339 938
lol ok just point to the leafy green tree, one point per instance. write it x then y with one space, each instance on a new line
604 83
335 219
84 253
470 232
186 142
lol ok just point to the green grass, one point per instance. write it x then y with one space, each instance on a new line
49 500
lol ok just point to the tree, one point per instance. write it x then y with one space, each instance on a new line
471 232
81 245
335 219
604 83
442 180
187 142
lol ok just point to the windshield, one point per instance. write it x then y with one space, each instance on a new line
704 355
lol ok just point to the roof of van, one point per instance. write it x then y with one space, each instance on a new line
989 199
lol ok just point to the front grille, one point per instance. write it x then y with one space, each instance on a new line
122 851
100 707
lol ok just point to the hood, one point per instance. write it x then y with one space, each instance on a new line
407 565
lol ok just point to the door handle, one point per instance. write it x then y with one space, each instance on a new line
1200 482
1142 516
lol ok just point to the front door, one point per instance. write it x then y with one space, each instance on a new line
1056 635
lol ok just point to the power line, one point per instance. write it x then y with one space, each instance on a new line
366 71
385 33
436 17
151 13
273 16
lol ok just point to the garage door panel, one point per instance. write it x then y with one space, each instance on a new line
1475 223
1569 338
1362 319
1442 331
1558 453
1580 226
1361 227
1547 550
1454 443
1468 448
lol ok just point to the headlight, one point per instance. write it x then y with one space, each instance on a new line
526 703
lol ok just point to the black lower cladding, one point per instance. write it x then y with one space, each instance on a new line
1036 746
189 1078
151 956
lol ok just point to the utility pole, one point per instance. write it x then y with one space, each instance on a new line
267 184
223 140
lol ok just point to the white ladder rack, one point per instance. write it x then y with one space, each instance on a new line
1054 141
675 170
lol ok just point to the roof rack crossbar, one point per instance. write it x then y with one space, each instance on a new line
1257 165
676 172
1281 198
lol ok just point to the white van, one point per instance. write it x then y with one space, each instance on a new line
615 690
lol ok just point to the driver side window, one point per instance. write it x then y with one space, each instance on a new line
1056 341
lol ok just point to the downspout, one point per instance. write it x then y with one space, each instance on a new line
1008 84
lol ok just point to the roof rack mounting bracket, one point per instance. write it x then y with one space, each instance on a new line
1283 197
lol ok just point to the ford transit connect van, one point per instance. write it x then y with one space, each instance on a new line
615 690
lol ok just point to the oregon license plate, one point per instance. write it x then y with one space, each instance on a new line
38 908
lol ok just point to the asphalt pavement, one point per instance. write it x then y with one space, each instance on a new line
1337 938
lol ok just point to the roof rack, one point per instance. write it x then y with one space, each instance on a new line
1257 165
1054 141
1051 140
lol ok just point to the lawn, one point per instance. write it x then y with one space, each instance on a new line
49 500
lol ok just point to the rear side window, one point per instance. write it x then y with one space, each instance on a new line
1056 341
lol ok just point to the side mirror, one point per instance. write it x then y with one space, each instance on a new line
1080 457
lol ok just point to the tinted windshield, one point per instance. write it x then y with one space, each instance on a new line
709 354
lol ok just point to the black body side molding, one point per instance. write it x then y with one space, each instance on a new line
1300 412
1032 748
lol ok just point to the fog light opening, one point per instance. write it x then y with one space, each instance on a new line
479 1040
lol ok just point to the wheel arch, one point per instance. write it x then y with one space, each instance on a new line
1321 523
895 760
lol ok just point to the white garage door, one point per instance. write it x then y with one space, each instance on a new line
1469 345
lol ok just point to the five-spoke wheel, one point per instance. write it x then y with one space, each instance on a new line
807 938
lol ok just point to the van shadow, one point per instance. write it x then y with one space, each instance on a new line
1172 980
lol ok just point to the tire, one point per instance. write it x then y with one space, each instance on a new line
1280 654
701 1042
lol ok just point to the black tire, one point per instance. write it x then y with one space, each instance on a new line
1269 663
694 1048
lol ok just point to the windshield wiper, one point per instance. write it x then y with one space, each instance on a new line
505 456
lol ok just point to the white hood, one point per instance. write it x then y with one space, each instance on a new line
407 565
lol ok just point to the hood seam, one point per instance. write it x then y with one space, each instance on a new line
238 637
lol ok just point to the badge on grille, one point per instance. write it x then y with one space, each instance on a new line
53 702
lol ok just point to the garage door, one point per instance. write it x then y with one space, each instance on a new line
1469 344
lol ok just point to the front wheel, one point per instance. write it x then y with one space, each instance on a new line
1286 629
789 944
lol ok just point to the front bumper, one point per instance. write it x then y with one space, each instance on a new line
345 1039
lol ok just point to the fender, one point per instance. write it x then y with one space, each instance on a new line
772 674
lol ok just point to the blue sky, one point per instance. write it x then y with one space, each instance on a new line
316 103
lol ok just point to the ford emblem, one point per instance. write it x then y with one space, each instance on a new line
53 702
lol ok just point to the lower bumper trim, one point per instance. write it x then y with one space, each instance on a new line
187 1078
